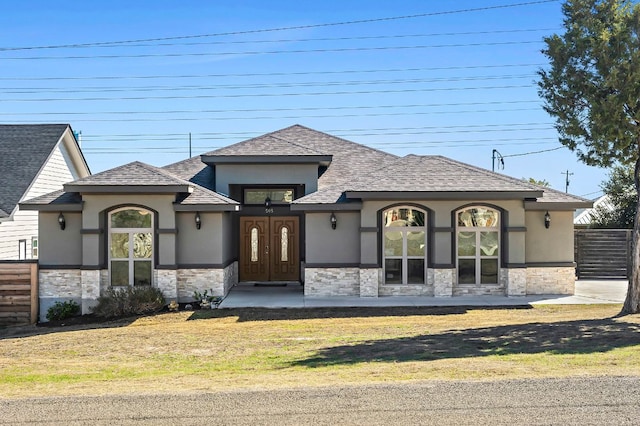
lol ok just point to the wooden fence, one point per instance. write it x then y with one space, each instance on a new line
603 253
18 292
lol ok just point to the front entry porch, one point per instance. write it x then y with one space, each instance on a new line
292 296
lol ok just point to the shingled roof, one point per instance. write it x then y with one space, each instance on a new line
24 149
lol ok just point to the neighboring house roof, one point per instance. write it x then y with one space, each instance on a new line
584 217
24 150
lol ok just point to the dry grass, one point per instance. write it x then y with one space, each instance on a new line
258 348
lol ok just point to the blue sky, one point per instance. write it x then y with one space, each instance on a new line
456 81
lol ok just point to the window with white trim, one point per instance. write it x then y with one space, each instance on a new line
404 245
130 247
34 247
478 245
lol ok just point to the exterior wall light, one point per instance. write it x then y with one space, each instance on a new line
334 221
61 221
547 220
267 202
198 221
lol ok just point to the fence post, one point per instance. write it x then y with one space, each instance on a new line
34 293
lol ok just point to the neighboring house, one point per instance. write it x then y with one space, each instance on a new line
34 160
298 205
584 217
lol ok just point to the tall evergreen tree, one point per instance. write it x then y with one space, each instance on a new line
622 202
592 89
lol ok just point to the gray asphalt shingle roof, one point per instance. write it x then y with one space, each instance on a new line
24 149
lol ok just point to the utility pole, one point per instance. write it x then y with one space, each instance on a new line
566 182
496 155
189 144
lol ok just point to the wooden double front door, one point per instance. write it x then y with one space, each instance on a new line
269 248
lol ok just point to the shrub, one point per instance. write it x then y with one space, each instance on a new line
127 301
63 310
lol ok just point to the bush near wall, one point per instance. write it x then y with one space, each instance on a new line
127 301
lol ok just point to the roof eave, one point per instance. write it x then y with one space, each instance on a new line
128 189
557 205
63 207
328 207
207 207
443 195
266 159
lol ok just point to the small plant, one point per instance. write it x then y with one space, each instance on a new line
127 301
63 310
207 300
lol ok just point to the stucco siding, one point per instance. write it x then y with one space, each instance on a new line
553 244
60 247
325 245
266 174
199 246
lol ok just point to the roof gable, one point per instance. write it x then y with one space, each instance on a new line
132 177
24 149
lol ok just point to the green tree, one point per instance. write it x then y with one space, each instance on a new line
592 90
542 182
621 194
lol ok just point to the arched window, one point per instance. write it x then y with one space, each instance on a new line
404 245
130 246
478 245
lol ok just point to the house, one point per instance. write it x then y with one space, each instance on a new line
298 205
34 160
585 217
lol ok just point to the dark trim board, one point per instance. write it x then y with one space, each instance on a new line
551 264
332 265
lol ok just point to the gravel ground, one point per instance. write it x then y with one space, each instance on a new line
574 401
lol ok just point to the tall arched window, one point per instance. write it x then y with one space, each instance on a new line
478 245
130 246
404 245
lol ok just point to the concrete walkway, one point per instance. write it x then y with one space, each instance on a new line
291 296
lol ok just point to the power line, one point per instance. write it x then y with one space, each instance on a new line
90 89
230 110
270 74
535 152
352 38
292 117
256 95
298 27
270 52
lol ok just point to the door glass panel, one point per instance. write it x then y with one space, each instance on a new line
131 218
415 243
489 271
466 243
119 246
142 272
393 243
393 271
254 244
415 271
466 271
284 244
119 272
488 244
142 245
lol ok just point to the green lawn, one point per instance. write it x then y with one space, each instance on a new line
261 348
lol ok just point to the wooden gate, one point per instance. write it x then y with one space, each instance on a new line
603 253
18 292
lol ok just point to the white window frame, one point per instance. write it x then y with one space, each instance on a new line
35 247
131 231
478 257
404 257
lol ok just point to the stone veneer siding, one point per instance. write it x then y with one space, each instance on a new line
410 289
90 289
200 279
553 280
331 281
516 281
58 285
443 281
